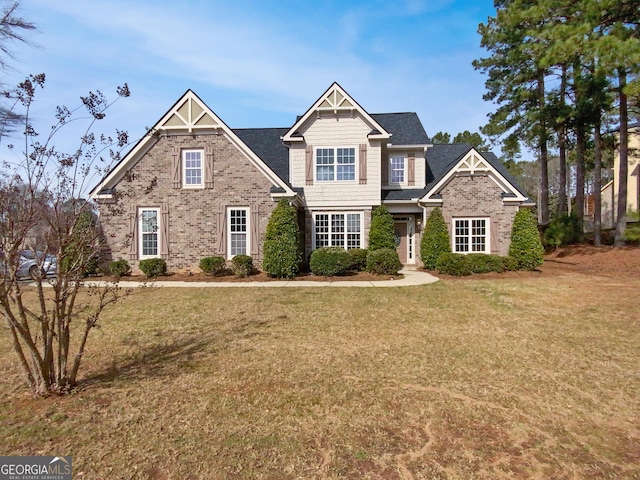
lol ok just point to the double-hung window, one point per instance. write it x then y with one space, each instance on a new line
192 168
149 228
336 164
471 235
338 230
238 229
397 170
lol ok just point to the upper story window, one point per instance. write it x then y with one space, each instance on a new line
192 168
336 164
397 172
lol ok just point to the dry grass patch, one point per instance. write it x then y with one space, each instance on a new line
512 378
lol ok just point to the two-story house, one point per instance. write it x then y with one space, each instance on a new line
194 187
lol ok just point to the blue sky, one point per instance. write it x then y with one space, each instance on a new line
259 63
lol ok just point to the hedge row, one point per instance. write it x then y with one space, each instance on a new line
459 265
336 261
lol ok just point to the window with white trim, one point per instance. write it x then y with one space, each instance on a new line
471 235
397 173
336 164
338 230
238 231
149 232
192 168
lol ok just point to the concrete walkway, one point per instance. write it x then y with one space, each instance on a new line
411 277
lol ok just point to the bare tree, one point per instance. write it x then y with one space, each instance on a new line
42 209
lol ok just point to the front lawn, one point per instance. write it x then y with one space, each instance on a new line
517 377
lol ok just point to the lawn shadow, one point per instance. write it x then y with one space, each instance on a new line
154 361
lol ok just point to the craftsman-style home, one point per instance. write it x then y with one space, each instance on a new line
194 187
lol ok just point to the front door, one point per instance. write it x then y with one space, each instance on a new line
400 230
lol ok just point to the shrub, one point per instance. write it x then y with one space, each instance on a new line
453 264
242 265
329 261
282 252
563 230
120 268
384 261
484 263
381 234
526 246
632 232
510 264
435 239
152 267
215 266
358 258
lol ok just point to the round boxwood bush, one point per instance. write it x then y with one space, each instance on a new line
153 267
120 268
329 261
242 265
450 263
384 261
435 239
381 234
215 266
526 246
358 259
485 263
282 252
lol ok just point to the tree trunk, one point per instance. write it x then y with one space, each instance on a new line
543 214
581 141
562 147
597 187
621 216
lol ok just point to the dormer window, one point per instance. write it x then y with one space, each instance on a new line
335 164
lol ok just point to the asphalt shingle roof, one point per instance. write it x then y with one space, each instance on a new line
406 128
266 143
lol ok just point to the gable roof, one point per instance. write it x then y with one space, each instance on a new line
444 160
188 114
335 99
405 128
266 143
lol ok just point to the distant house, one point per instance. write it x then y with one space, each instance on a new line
195 187
609 191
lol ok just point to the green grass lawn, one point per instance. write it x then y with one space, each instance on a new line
511 378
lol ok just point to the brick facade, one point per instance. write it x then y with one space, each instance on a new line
479 196
193 213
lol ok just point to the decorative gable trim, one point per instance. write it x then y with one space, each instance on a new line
188 116
473 163
335 100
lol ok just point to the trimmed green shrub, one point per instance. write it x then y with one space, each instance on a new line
242 265
153 267
485 263
526 246
358 258
329 261
510 264
381 234
435 239
282 253
450 263
563 230
120 268
215 266
632 232
384 261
